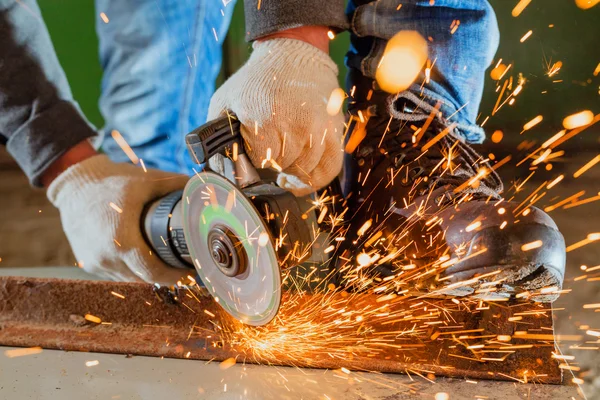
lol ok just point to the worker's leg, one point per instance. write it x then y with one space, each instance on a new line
160 61
459 56
435 203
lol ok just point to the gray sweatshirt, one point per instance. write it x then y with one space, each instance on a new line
40 120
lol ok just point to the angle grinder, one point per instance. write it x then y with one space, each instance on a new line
240 233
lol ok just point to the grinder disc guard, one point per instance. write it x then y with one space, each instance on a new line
231 248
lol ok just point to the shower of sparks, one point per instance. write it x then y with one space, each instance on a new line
394 316
397 316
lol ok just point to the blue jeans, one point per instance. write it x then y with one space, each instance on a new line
461 57
161 59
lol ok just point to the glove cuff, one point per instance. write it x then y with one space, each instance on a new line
292 50
71 180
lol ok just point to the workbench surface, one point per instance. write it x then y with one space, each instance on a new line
54 374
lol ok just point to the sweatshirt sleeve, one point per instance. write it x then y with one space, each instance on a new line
39 120
264 17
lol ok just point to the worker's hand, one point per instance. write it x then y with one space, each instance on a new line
280 96
100 205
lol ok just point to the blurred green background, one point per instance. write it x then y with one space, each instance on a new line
573 40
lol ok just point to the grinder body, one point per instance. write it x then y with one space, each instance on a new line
294 228
163 228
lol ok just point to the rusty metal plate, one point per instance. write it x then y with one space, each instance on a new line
427 337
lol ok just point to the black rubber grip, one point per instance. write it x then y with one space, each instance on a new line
159 230
214 137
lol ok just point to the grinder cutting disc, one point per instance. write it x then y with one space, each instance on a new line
231 248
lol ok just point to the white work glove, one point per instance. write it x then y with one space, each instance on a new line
106 242
280 97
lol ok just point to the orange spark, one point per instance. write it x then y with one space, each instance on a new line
92 318
587 166
575 132
521 5
497 136
124 146
526 36
578 120
336 100
565 201
473 226
533 123
439 136
230 362
406 48
22 352
592 237
115 207
533 245
595 305
553 70
555 181
361 231
498 71
553 139
585 4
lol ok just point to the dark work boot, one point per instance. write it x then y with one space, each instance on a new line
428 216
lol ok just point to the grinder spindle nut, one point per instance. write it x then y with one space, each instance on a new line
227 251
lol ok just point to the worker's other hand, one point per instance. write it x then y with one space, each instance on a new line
100 204
280 96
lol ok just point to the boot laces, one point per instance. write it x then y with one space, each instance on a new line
454 161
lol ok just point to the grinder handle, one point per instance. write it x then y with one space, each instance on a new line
214 137
219 136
